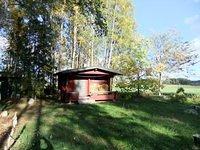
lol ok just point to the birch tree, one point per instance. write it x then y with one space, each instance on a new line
121 28
170 54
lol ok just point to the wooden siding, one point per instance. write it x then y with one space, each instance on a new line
93 84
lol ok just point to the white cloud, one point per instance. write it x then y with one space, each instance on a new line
194 22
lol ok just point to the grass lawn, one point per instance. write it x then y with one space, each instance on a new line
146 124
188 89
1 106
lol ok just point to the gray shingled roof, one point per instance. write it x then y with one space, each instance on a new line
87 69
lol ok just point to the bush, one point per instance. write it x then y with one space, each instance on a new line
50 90
180 98
145 85
126 95
180 91
180 95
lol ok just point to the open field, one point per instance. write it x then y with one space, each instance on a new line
150 123
188 89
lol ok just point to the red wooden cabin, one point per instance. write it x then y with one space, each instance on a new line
92 84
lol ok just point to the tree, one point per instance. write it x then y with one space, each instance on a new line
48 36
3 13
121 29
34 37
3 48
86 45
137 74
79 29
170 54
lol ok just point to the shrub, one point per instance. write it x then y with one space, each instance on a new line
180 95
145 85
180 91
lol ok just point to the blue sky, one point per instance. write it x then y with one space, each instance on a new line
154 16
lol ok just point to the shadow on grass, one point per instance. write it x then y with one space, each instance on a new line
96 127
160 107
5 135
38 141
90 127
21 132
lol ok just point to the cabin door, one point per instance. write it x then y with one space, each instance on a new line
81 87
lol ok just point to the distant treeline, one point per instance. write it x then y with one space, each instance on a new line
181 81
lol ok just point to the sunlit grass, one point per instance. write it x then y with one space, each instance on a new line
188 89
145 124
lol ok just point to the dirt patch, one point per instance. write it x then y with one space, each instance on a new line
24 113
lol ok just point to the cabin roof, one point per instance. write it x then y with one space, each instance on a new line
78 70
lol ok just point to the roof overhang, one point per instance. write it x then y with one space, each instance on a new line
89 71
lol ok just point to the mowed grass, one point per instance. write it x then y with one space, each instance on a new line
189 89
150 123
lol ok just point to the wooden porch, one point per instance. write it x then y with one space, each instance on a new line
101 96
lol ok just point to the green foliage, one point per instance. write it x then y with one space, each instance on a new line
180 95
181 81
137 73
121 36
144 85
125 63
180 90
34 37
50 90
30 38
148 85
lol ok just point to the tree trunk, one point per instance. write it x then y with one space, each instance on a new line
60 50
106 52
105 41
78 62
111 40
138 85
59 60
160 84
92 49
74 37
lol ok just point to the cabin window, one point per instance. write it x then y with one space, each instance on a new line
99 86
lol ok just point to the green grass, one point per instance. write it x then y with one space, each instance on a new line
188 89
146 124
2 106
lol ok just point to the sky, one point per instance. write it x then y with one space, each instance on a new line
155 16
